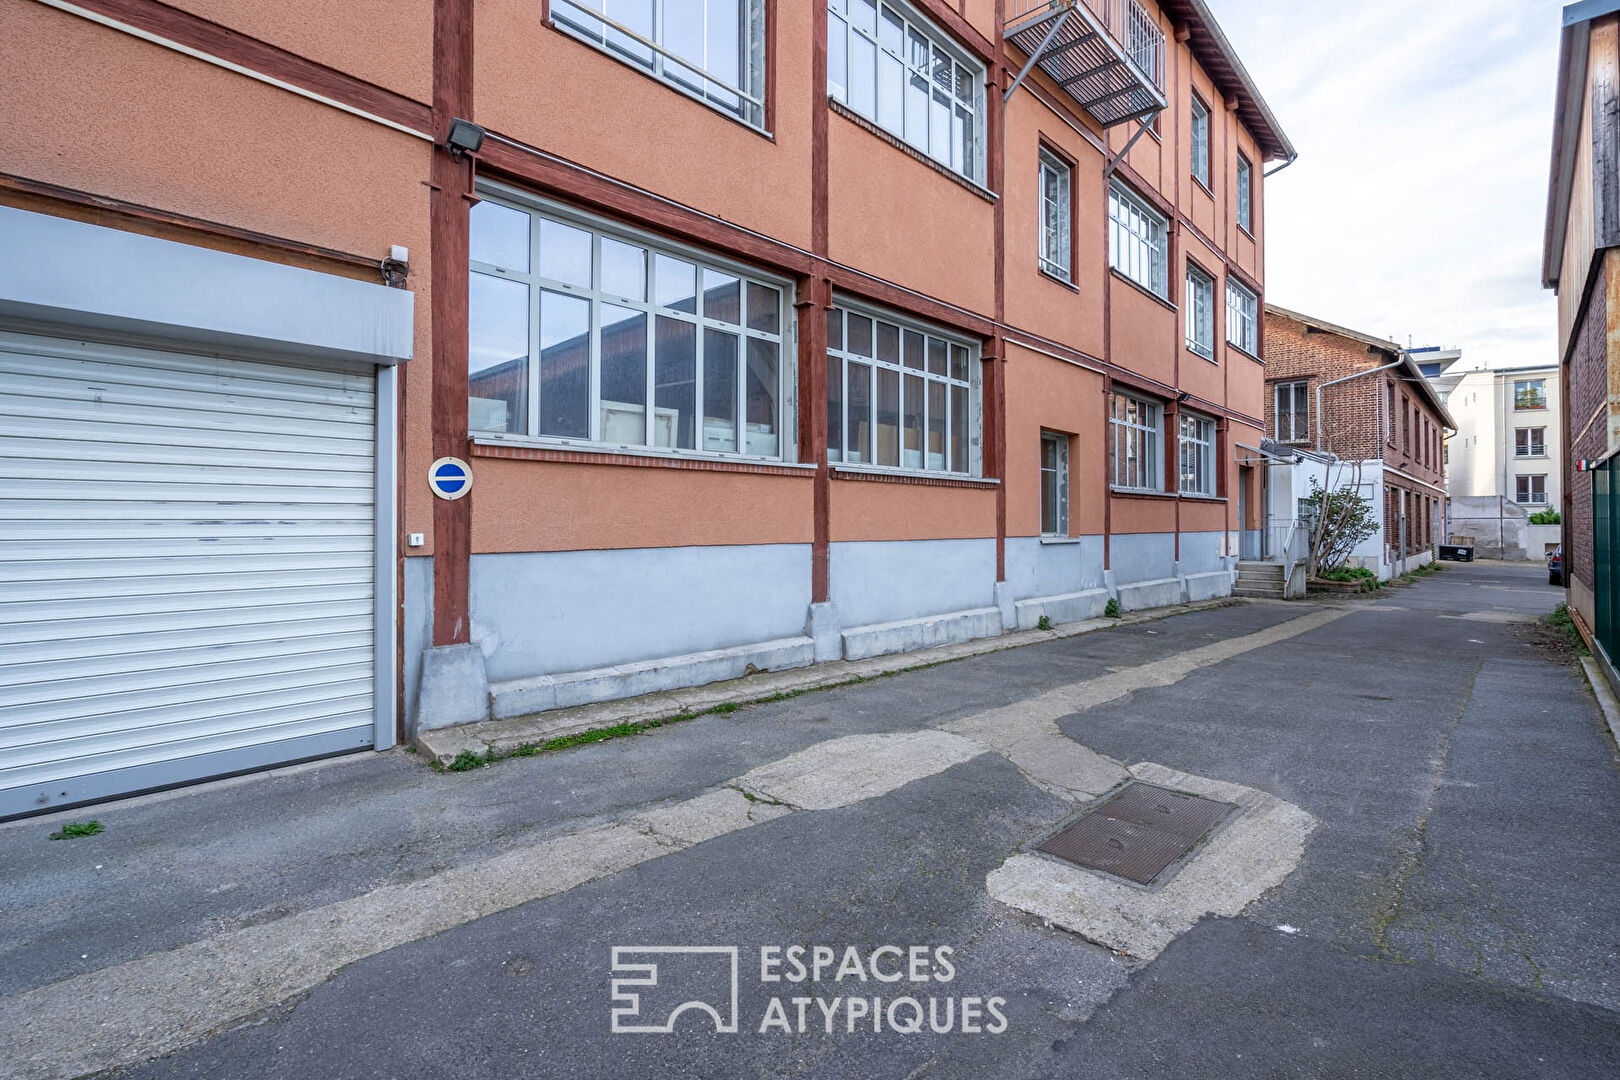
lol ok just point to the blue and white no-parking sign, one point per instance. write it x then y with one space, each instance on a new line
450 478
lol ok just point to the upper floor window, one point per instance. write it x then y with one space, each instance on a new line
1054 484
581 334
899 395
1200 312
1530 394
1406 424
1200 141
1530 442
1242 318
1531 490
1137 239
713 50
1245 194
1293 412
1390 414
1138 443
898 71
1055 245
1195 453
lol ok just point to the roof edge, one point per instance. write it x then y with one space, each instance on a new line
1409 366
1278 144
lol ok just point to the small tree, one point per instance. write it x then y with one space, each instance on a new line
1340 521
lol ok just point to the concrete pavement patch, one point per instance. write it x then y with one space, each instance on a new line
844 771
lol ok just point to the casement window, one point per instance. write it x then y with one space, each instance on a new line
1293 412
1055 200
583 335
1200 141
712 50
1245 194
1138 443
899 396
895 68
1532 490
1242 318
1530 394
1530 442
1137 240
1390 414
1054 484
1195 454
1200 312
1406 425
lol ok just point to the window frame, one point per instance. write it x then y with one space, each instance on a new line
1527 436
1293 386
1200 318
1202 441
753 108
1156 247
940 43
1200 153
1538 387
973 386
1146 438
538 209
1245 193
1527 481
1247 317
1059 473
1063 211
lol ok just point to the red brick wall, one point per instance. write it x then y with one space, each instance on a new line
1588 394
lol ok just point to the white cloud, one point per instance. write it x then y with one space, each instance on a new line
1418 202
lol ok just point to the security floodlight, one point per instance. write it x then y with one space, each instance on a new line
465 137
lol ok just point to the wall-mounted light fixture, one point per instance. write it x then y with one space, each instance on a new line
465 138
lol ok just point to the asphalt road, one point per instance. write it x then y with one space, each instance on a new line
1454 914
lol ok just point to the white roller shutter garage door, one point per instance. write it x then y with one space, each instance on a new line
187 567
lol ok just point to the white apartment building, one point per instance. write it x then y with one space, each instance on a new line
1503 463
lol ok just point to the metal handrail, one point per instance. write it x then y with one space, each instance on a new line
1131 25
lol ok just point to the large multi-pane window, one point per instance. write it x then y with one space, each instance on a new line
1293 412
896 69
1200 141
1138 444
1245 194
1195 454
713 50
1054 484
1137 239
581 334
1055 245
899 396
1242 318
1200 312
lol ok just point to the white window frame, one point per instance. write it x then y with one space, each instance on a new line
1138 240
957 350
1200 302
1242 317
1055 479
539 210
1196 447
1538 387
1525 493
1200 141
646 52
1136 430
1245 194
1530 442
1298 390
858 30
1057 242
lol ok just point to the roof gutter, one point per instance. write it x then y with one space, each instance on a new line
1288 153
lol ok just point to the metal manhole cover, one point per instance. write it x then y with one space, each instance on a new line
1138 833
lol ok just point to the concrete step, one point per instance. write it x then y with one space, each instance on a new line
1259 594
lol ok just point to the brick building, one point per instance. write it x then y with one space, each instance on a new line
1581 260
829 329
1363 399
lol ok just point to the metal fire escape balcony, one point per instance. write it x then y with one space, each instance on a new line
1106 54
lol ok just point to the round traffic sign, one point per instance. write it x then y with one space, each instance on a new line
450 478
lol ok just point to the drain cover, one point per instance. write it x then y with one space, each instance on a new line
1139 832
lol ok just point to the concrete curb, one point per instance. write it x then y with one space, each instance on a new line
1605 696
497 737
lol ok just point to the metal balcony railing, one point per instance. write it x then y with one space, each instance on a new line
1106 54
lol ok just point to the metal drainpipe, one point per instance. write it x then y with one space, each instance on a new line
1333 382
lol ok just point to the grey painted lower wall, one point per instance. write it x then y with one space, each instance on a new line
1043 568
538 613
887 580
1142 556
417 628
1203 552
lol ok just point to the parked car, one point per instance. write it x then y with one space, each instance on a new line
1555 566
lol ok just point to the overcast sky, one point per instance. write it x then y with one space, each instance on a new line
1419 198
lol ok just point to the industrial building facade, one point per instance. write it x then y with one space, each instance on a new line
768 334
